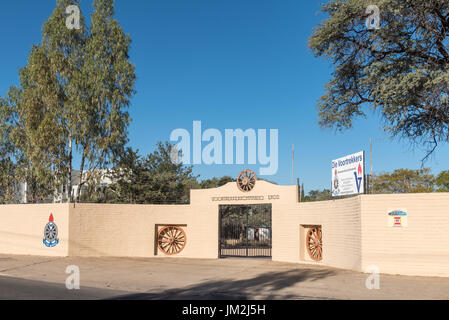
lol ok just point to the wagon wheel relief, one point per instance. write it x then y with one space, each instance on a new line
246 180
314 243
171 240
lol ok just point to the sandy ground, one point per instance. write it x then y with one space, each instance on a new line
26 277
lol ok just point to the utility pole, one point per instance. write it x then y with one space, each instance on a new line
293 164
299 190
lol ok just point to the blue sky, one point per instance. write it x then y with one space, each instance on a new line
230 64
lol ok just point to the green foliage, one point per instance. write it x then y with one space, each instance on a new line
8 193
107 79
317 195
442 181
22 123
154 179
401 69
73 97
404 181
215 182
219 182
7 166
130 178
60 59
399 181
168 180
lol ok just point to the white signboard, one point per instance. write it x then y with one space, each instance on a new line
348 175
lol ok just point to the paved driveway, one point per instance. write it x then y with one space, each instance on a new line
25 277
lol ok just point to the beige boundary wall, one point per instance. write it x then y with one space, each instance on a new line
356 233
22 229
420 249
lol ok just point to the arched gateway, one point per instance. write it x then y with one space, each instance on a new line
245 214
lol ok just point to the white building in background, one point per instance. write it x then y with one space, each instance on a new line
60 195
102 181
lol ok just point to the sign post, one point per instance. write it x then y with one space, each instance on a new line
348 175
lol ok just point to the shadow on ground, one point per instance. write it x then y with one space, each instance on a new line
267 286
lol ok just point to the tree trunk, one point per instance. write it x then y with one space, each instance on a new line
81 182
69 174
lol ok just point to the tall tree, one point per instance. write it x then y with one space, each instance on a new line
107 80
400 69
55 70
72 98
7 165
32 131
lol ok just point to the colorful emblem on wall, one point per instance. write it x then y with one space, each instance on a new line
397 218
51 233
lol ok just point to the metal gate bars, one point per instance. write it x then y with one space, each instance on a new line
245 230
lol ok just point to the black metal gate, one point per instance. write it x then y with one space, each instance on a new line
245 231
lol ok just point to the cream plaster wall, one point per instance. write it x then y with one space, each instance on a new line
22 229
340 222
355 231
124 230
420 249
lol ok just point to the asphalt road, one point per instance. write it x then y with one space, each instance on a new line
22 289
43 278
